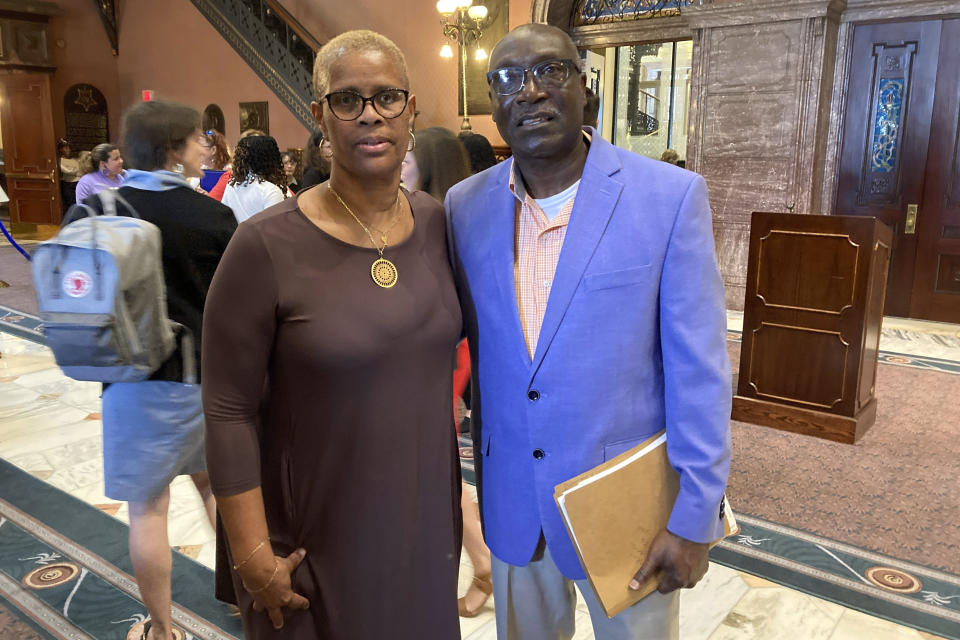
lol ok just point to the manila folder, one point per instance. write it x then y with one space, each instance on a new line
612 514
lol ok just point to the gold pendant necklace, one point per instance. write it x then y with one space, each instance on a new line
383 272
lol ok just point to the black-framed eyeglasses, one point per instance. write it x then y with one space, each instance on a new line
506 81
348 105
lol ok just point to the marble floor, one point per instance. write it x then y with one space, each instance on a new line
50 427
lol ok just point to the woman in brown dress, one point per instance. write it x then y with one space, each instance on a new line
329 336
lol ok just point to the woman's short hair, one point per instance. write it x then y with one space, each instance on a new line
258 158
441 160
357 41
152 129
101 153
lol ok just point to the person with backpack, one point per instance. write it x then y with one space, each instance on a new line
153 430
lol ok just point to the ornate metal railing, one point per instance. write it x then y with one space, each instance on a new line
275 45
595 11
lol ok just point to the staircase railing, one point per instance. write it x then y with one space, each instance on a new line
275 45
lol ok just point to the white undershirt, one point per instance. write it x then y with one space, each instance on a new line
554 204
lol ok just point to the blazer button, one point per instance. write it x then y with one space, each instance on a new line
533 395
539 454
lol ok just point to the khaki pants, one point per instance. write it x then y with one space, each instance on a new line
537 602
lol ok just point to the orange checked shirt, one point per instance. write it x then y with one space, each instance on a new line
537 245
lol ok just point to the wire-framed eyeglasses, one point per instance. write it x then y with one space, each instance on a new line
348 105
506 81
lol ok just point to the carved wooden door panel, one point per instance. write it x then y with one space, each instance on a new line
885 139
29 148
936 286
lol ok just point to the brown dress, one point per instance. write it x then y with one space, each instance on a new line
333 395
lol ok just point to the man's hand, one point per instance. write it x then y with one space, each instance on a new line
679 562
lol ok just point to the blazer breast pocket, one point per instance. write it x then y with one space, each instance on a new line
621 278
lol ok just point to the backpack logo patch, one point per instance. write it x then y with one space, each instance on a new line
77 284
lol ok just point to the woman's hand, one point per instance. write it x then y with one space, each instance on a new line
269 585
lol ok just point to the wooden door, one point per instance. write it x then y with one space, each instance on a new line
29 148
886 132
936 285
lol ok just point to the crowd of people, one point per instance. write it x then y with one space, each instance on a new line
323 299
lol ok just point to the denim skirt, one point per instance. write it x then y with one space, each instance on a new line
152 432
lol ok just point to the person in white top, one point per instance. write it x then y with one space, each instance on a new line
258 180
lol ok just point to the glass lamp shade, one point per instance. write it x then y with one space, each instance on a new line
477 12
446 51
446 7
481 54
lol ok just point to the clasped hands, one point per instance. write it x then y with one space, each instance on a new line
268 583
680 563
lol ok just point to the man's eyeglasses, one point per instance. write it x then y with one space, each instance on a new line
348 105
506 81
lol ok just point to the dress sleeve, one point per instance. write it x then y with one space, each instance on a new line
239 322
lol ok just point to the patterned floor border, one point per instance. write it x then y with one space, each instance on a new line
72 590
22 324
899 591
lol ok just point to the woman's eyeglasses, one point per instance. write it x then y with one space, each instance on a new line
506 81
348 105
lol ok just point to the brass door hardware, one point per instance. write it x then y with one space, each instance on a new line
910 225
52 176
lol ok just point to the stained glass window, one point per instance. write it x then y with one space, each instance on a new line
886 128
594 11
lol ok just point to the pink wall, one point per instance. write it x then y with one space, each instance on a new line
415 27
81 51
170 47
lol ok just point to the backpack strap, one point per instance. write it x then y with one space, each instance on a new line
187 347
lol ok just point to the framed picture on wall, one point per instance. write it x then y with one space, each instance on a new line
494 27
255 115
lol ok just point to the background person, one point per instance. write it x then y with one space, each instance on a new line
153 430
291 169
316 161
69 173
482 155
258 180
336 483
105 171
217 191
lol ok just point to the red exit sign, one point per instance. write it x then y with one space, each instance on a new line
147 95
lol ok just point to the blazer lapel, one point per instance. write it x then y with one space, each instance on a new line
500 219
596 199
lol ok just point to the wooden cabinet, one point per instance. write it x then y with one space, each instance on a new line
811 327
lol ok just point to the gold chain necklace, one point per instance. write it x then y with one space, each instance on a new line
383 272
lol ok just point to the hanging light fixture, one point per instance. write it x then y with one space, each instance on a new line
462 20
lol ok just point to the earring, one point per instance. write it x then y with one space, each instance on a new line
178 168
413 141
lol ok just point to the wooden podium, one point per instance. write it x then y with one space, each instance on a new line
811 325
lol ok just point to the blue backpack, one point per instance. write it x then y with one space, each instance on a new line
102 298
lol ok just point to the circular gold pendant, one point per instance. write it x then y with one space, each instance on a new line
384 273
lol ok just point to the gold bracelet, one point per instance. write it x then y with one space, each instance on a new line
276 568
237 566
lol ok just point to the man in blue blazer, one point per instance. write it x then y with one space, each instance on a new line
595 317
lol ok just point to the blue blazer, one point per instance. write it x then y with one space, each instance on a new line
634 340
